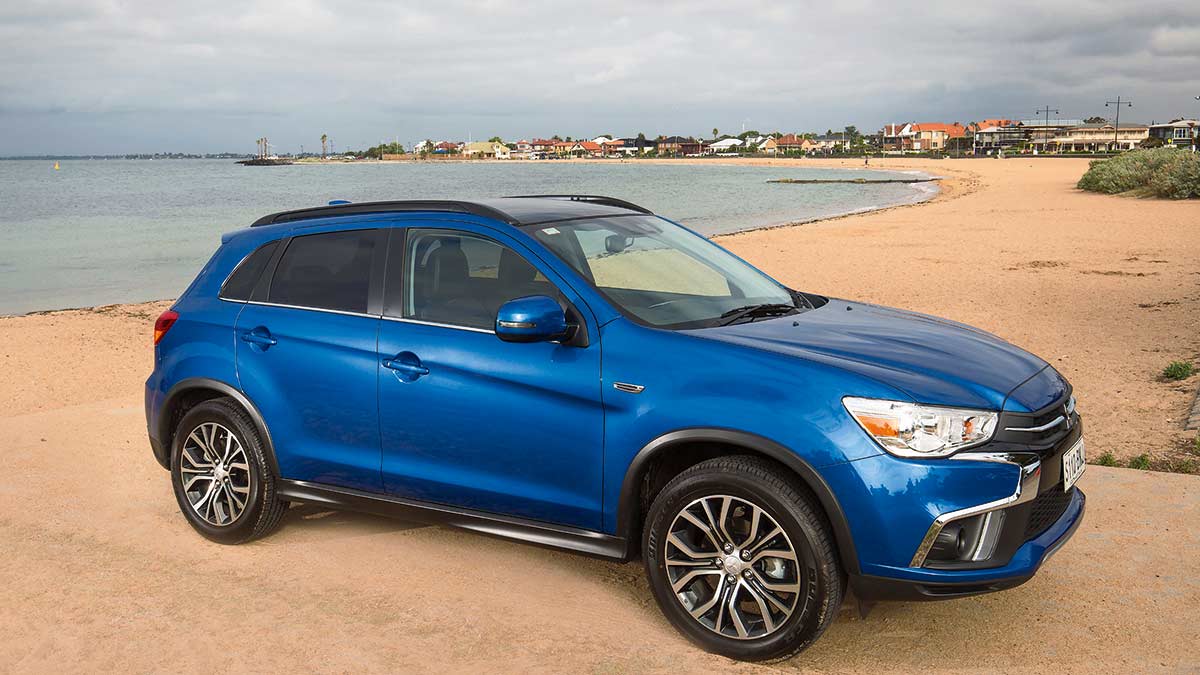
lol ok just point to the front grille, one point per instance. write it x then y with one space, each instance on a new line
1021 421
1045 509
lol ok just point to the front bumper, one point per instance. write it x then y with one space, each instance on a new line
900 505
929 584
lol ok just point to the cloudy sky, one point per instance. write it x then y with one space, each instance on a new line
113 76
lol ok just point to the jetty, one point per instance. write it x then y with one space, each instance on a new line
854 181
265 161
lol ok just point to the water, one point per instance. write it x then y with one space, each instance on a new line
100 232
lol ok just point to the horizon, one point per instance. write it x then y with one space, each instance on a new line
88 78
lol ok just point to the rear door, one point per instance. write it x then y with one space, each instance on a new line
467 419
306 355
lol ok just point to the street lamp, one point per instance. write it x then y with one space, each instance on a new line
1117 121
1047 110
1196 135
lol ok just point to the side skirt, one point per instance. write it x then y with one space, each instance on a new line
530 531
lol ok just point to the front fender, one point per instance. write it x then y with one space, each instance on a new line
629 507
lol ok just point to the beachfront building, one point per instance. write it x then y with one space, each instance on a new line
989 140
1089 137
792 143
725 145
768 145
634 146
829 144
679 145
897 137
1177 133
486 150
935 136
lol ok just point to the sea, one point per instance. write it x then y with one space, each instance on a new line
97 232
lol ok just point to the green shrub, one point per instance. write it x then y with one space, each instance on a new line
1106 459
1142 462
1178 370
1161 172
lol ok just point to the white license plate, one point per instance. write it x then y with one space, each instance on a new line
1073 463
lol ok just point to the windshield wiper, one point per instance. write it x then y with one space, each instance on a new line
756 311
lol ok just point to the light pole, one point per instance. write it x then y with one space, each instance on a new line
1196 135
1046 111
1117 121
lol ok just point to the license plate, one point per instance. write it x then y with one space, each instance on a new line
1073 463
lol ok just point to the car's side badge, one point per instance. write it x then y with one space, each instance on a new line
628 388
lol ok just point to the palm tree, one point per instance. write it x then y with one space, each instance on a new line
324 139
715 133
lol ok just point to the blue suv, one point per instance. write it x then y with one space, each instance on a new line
576 372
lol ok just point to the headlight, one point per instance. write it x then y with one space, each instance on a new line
913 430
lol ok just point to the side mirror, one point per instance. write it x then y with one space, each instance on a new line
536 318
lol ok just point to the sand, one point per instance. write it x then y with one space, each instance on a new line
101 573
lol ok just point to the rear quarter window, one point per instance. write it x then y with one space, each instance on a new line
241 283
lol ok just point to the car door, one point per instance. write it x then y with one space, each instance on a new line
306 355
469 420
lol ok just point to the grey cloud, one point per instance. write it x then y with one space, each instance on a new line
97 76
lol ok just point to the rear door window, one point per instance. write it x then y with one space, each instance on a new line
331 270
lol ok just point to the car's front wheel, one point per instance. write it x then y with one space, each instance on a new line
740 559
220 474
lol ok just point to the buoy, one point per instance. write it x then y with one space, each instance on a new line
56 166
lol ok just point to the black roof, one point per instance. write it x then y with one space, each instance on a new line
515 210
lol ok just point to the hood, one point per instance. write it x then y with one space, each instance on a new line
933 360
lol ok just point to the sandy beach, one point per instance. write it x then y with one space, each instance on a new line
103 574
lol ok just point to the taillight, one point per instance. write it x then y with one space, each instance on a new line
163 324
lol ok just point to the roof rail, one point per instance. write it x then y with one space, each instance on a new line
592 199
385 207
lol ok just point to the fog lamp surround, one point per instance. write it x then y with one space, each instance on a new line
913 430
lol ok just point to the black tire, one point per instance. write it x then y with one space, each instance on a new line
263 509
780 495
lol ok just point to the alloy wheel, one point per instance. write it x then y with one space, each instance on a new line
733 568
215 474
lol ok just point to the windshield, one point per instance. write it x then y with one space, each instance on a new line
664 275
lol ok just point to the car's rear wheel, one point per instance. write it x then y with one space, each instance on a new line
740 559
219 470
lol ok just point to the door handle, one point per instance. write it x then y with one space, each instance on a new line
406 365
260 337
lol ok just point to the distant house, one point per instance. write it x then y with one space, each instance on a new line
679 145
791 143
601 140
446 147
897 137
934 136
768 145
542 145
994 138
827 143
589 149
633 146
726 145
1178 133
523 146
486 150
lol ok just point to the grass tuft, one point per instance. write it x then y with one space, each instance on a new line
1106 459
1141 462
1178 370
